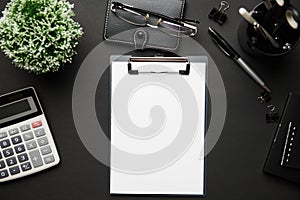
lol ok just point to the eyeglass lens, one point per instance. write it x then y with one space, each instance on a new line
138 19
174 29
131 17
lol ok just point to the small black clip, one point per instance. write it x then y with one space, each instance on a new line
272 116
265 97
218 14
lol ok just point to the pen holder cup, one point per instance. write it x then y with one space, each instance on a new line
274 21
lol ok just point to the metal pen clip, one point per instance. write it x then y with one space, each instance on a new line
257 27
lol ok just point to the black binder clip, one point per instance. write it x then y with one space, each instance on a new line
218 14
272 116
265 97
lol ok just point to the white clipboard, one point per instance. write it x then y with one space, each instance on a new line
158 123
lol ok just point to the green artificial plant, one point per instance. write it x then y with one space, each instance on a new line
39 35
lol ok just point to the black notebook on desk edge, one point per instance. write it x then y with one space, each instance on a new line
284 156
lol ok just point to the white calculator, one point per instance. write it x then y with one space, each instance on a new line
26 142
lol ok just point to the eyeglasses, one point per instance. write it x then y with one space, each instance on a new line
139 17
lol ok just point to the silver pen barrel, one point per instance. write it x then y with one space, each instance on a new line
252 74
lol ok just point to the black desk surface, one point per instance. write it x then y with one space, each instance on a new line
234 167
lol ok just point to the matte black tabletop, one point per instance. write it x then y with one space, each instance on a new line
234 167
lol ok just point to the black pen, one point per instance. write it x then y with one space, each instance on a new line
230 52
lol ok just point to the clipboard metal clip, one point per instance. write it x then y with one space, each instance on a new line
159 59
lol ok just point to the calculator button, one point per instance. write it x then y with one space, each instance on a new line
0 155
11 161
46 150
28 136
43 141
4 144
36 124
20 148
2 164
22 157
13 131
16 140
8 152
49 159
36 158
39 132
25 128
3 135
3 174
14 170
31 145
26 166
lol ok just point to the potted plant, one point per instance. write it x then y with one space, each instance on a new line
39 35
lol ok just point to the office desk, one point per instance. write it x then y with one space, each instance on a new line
234 167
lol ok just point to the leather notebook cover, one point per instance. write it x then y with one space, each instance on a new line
155 38
284 156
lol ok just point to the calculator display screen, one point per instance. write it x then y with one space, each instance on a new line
14 108
17 109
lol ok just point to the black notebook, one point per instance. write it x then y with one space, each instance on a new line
284 156
117 30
